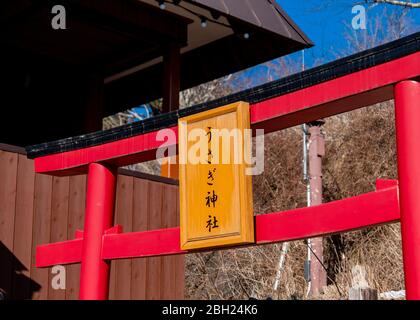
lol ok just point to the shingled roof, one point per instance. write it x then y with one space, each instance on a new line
265 14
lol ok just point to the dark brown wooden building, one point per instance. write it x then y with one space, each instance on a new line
112 55
116 54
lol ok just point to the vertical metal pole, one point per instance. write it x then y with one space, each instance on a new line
307 266
100 199
316 152
407 117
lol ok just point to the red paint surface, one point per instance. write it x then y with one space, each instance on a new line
118 153
332 97
343 94
100 197
338 216
142 244
368 209
350 85
407 116
66 252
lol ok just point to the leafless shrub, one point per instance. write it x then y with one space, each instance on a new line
360 147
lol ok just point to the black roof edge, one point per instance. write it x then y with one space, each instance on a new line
338 68
292 24
304 39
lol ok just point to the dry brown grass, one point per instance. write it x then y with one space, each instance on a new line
360 147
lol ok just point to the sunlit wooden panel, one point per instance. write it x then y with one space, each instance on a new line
215 191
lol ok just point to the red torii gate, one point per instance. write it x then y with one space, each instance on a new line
101 242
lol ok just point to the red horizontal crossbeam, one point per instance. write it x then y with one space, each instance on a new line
142 244
66 252
343 94
378 207
353 213
356 90
119 153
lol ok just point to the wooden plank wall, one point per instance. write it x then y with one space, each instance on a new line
36 209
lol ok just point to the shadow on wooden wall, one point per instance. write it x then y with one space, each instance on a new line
37 209
13 282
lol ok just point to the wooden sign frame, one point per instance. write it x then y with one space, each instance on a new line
244 233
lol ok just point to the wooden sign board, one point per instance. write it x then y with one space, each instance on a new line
215 193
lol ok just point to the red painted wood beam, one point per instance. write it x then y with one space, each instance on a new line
348 214
118 153
142 244
360 89
365 210
356 90
65 252
407 116
99 214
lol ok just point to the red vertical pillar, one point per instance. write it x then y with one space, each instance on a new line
407 117
100 198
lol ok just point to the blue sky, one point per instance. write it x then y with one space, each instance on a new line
326 22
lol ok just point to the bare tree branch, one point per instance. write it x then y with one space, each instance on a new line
399 3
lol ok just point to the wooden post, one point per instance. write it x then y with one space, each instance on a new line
171 78
407 116
100 199
94 105
171 88
360 288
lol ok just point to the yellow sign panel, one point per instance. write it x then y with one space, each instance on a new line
215 191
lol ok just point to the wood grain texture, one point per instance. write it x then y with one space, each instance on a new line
124 217
8 174
215 192
59 217
169 211
41 231
24 211
77 202
179 262
40 209
154 264
141 207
